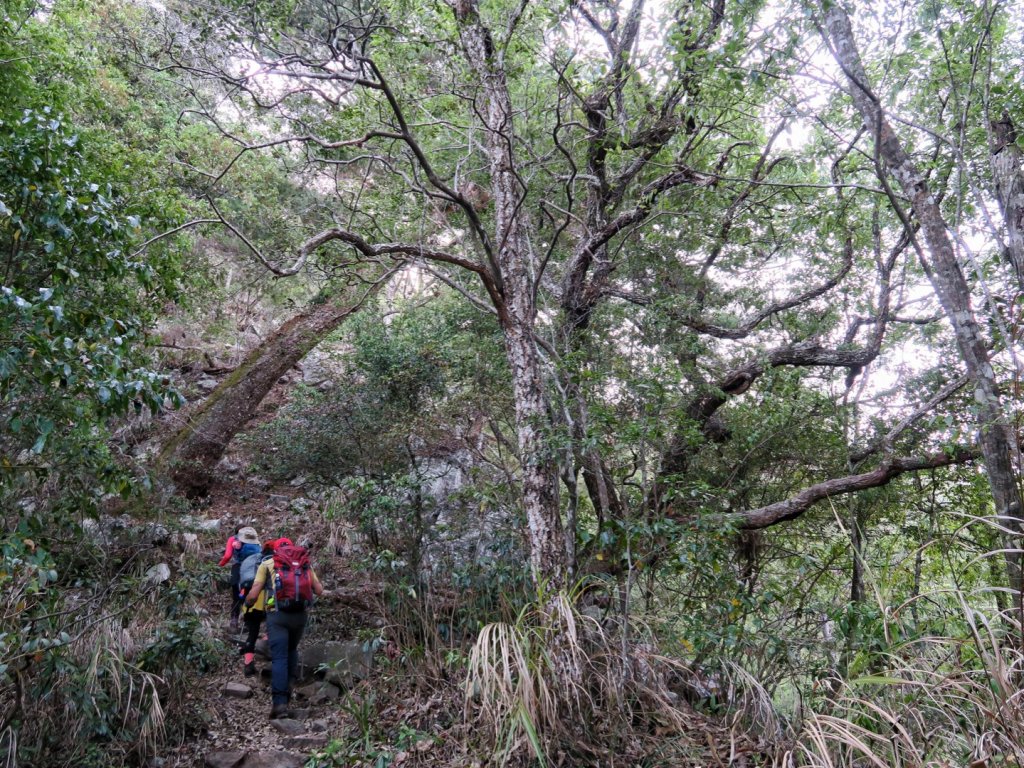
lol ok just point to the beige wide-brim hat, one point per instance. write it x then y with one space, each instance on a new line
248 536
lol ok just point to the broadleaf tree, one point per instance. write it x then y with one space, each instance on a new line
661 208
77 289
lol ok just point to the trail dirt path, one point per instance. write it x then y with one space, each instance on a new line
239 733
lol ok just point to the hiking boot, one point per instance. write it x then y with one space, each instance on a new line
250 669
279 712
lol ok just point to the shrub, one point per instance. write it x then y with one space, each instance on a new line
90 668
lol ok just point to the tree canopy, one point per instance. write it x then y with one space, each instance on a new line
672 197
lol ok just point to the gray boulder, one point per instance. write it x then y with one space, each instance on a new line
307 691
123 530
317 368
225 759
319 693
262 648
229 466
306 741
302 505
342 662
273 760
158 574
201 524
278 501
236 691
287 726
157 534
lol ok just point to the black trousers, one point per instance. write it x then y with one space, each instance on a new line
236 597
252 619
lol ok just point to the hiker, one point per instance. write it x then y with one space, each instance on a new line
243 543
291 585
253 616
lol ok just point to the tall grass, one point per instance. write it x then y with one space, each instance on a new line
86 703
936 701
557 680
113 688
91 668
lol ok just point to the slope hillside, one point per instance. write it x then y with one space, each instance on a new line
373 693
364 700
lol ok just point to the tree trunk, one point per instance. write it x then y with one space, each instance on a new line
517 310
190 456
1008 175
858 521
949 283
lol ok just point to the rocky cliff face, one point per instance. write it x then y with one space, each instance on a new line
465 528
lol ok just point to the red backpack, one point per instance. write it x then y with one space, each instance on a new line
293 581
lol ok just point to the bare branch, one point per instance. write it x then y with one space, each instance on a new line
792 508
885 442
187 225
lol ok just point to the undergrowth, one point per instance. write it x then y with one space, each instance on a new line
550 682
553 679
96 654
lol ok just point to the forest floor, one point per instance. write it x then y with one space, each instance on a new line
424 717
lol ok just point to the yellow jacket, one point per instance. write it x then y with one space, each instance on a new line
261 598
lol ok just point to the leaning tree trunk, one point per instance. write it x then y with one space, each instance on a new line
995 437
517 311
190 456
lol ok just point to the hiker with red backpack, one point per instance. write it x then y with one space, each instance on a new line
291 584
244 543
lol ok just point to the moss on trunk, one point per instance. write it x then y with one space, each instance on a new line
189 457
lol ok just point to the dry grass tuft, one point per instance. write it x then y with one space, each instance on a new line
941 701
557 680
114 689
9 747
93 691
